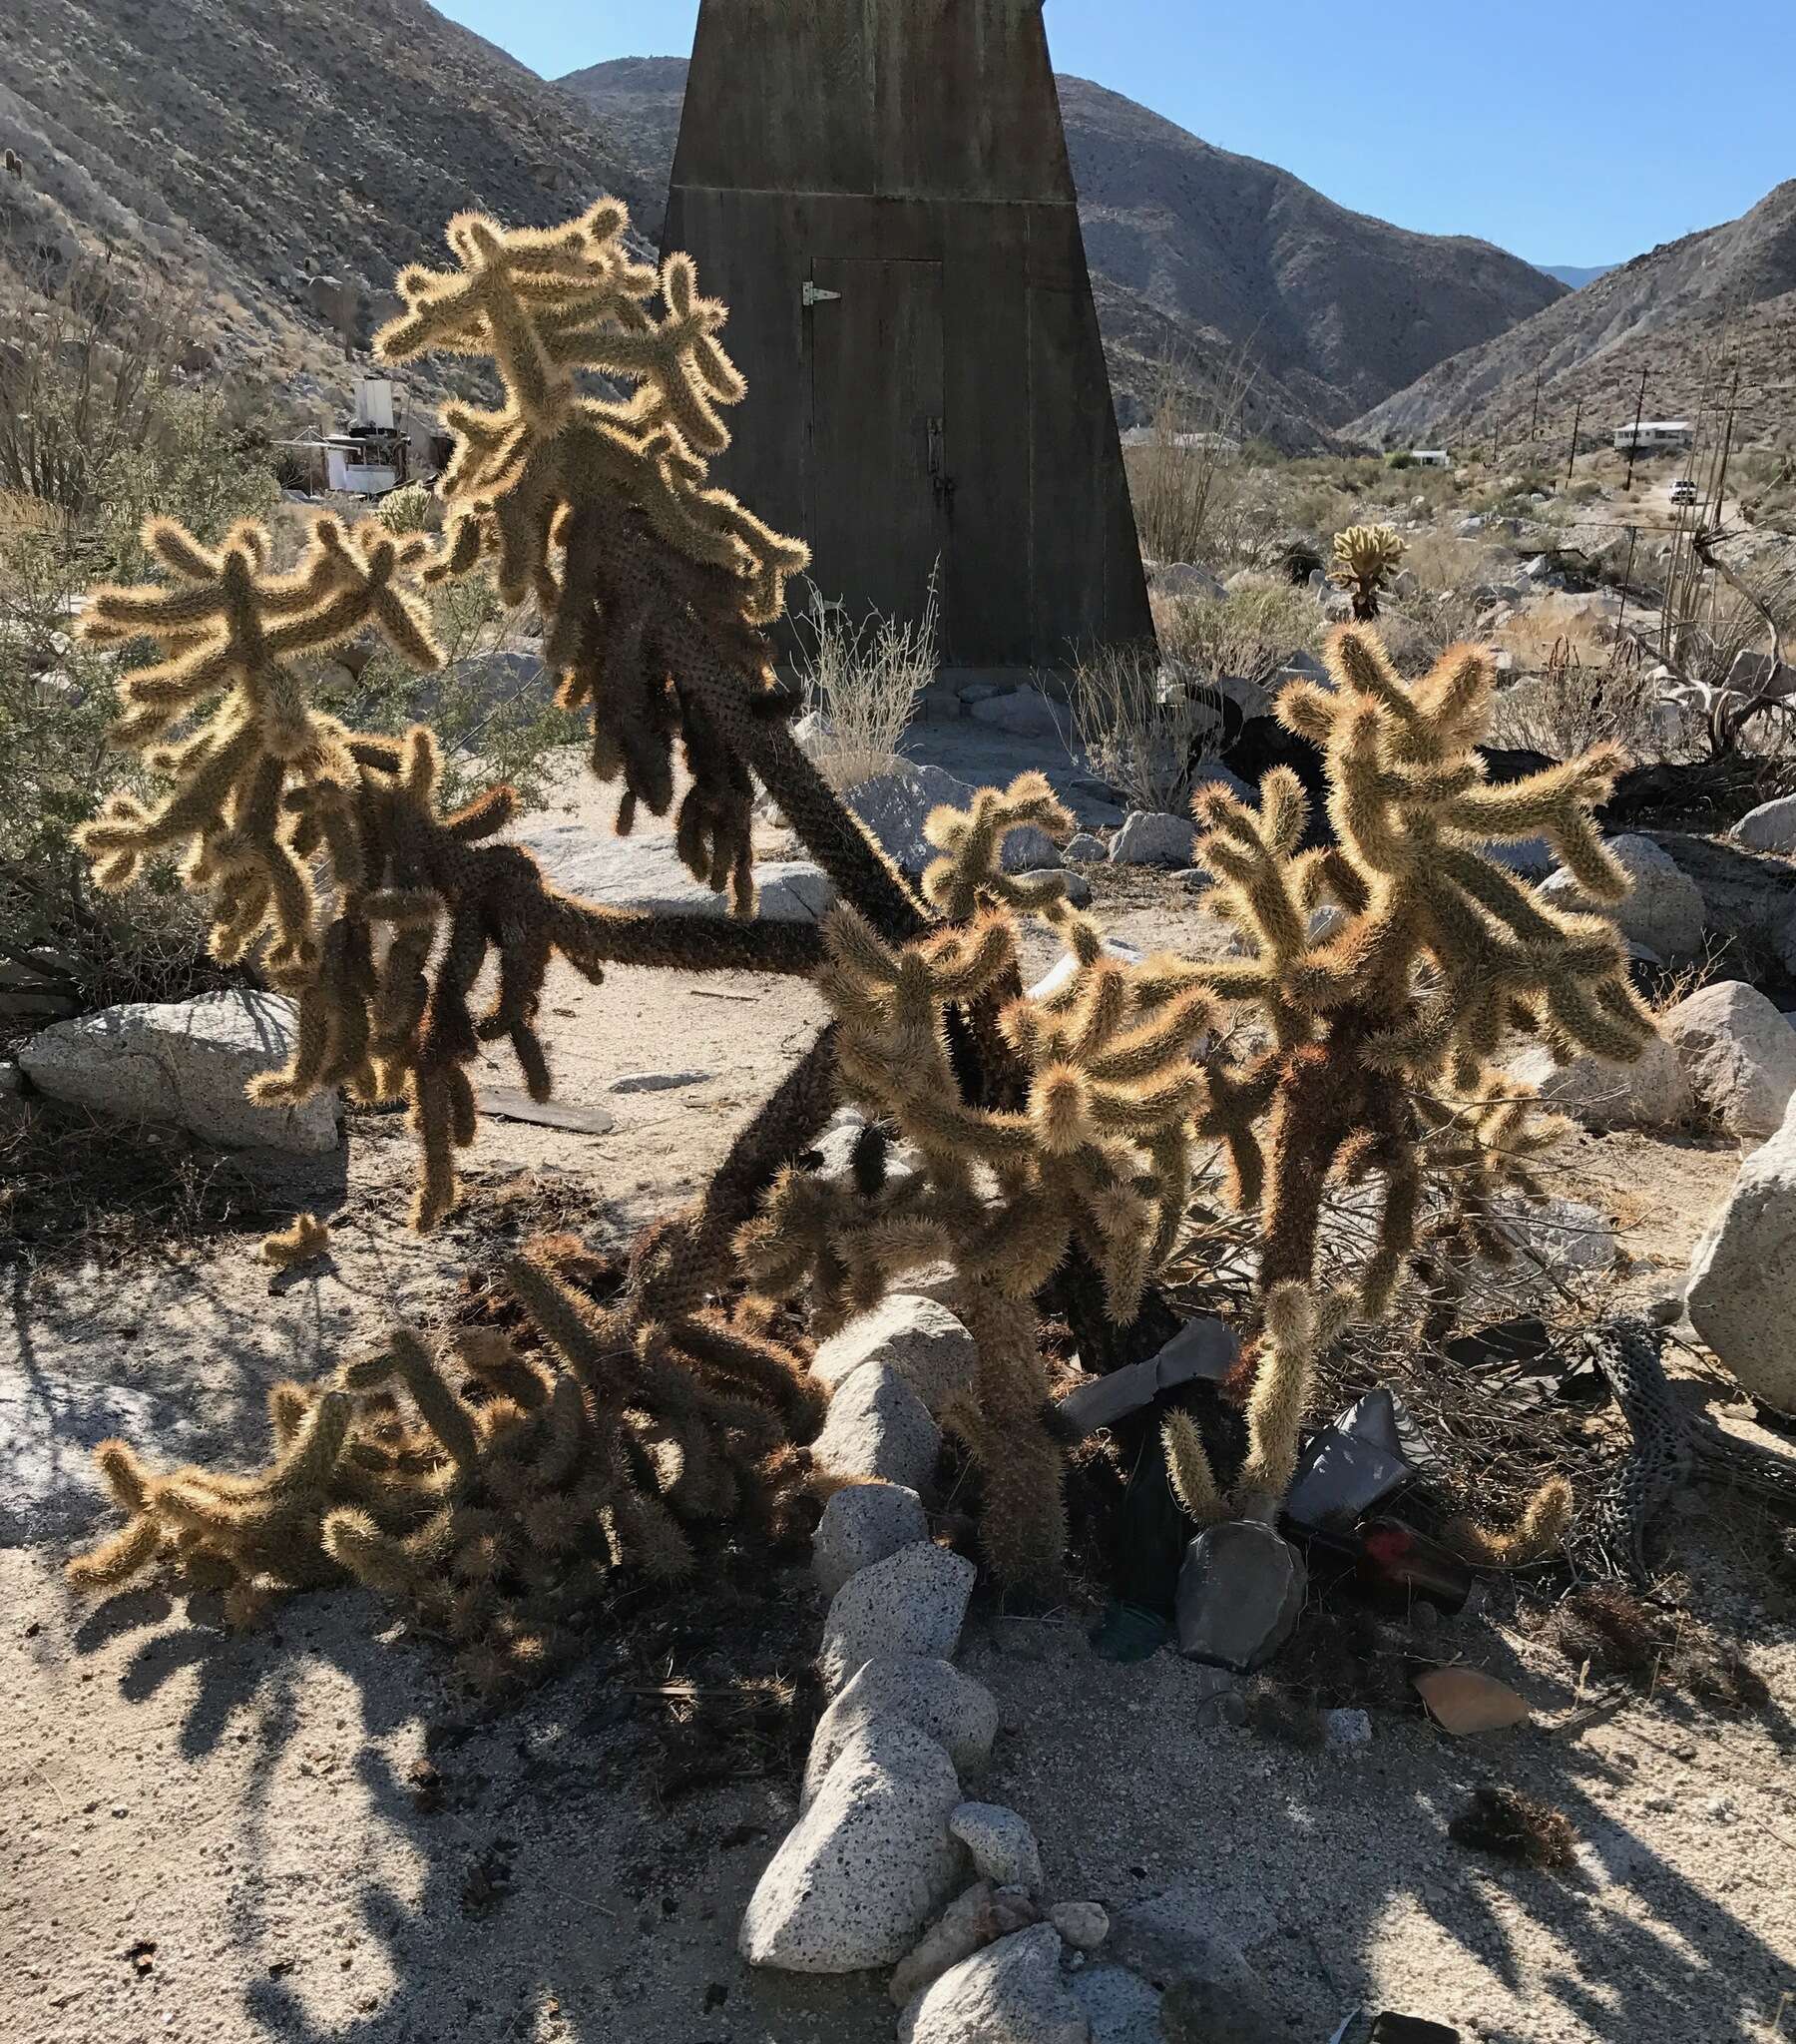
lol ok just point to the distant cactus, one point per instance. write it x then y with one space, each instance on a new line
409 509
1365 557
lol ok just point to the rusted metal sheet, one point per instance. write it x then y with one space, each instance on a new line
880 190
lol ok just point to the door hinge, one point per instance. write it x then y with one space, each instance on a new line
814 297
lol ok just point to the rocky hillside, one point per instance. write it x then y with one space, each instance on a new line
243 150
1204 255
1677 312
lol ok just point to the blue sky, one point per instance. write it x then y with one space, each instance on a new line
1571 131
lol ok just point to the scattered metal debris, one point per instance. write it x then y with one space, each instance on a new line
1203 1348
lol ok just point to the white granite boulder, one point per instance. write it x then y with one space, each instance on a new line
1149 837
863 1523
1012 1992
876 1425
958 1713
1662 908
913 1602
1770 828
189 1062
1025 713
1739 1054
1651 1093
1741 1297
1003 1846
868 1864
917 1338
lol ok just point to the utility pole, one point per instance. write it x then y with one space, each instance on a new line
1576 421
1533 430
1634 444
1627 581
1720 492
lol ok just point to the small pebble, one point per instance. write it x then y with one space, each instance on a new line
1347 1728
1083 1925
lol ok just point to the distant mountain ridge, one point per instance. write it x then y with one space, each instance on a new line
1203 257
241 148
1571 274
1678 312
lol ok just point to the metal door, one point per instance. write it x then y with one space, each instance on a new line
879 492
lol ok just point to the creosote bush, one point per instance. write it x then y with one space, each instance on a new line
491 1488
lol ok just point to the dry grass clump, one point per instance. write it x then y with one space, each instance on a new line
1607 1632
1514 1827
1555 629
1140 739
862 679
1574 702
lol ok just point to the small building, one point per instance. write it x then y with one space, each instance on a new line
1222 445
371 454
880 192
1430 457
1654 436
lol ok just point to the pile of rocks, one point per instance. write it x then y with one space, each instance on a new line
891 1864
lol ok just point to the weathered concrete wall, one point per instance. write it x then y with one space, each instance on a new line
951 403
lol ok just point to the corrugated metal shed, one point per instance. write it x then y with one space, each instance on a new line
880 190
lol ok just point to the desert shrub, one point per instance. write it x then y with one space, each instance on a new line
1250 632
1575 702
861 678
57 694
1184 480
1402 458
1142 732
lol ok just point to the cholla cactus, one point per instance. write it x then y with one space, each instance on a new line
495 1513
1364 559
1375 1061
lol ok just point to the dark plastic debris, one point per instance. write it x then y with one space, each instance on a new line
1201 1348
1356 1463
1240 1592
1126 1632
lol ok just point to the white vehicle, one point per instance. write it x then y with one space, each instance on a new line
1683 491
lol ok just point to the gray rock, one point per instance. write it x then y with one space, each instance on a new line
1533 859
876 1425
917 1338
1240 1590
1185 578
868 1864
1344 1729
1012 1992
1783 943
863 1523
967 1924
1120 2005
982 692
1003 1846
1084 850
1770 828
1662 908
1570 1236
958 1713
656 1082
1150 839
1740 1054
645 872
1651 1093
1083 1925
895 806
187 1062
913 1602
1741 1297
1078 889
1173 1942
1212 774
1025 714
